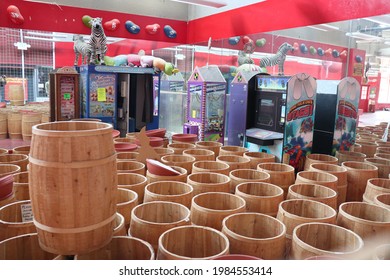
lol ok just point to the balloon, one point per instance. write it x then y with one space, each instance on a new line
112 25
152 28
170 32
132 27
14 15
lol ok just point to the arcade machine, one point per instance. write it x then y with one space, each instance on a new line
206 97
126 97
273 114
173 99
336 115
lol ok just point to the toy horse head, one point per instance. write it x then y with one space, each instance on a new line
96 23
286 46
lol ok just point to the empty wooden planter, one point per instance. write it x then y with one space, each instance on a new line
184 161
349 156
200 154
376 186
17 159
319 239
192 242
203 182
25 150
260 197
258 157
21 186
382 155
209 145
256 235
317 177
234 161
126 201
8 169
282 175
182 177
130 166
122 248
239 176
382 164
134 182
211 166
163 152
232 150
149 220
368 147
370 222
382 200
314 192
126 156
172 191
209 209
178 148
319 158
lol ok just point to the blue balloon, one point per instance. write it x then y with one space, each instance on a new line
234 40
320 52
335 53
132 27
170 32
303 48
358 58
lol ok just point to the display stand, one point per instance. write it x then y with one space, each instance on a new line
206 97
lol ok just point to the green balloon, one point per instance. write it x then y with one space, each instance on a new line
261 42
313 50
86 21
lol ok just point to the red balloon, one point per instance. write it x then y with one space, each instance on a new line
14 15
111 25
152 28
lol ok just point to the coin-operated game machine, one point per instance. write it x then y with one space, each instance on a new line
206 97
127 97
299 121
64 94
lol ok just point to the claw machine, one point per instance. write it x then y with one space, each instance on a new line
206 101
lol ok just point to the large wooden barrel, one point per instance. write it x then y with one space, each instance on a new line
259 157
16 219
200 154
376 186
232 151
28 121
382 164
349 156
260 197
211 166
24 247
121 248
209 209
163 152
73 185
3 126
319 239
209 145
172 191
382 150
314 192
282 175
16 95
370 222
239 176
234 161
3 151
319 158
358 174
149 220
17 159
256 235
135 182
184 161
192 242
203 182
14 122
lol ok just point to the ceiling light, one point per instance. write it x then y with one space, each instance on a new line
364 36
330 26
207 3
47 34
317 28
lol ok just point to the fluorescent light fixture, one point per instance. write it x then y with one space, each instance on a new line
47 34
41 39
207 3
383 23
317 28
364 36
330 26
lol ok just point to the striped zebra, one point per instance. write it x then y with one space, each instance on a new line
97 42
278 58
80 47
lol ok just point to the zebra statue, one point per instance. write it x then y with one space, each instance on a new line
97 42
278 58
80 47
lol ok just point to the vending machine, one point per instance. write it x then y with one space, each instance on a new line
126 97
206 97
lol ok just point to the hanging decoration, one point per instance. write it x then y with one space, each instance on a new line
170 32
14 15
320 51
261 42
249 45
234 40
86 19
111 25
152 28
132 27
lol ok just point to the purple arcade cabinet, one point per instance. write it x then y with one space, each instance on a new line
206 97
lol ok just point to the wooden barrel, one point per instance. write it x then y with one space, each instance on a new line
163 152
211 166
381 252
200 154
356 148
25 150
134 182
121 248
3 151
213 146
24 247
256 235
8 169
119 225
318 239
258 157
319 158
209 209
45 117
384 156
86 120
149 220
317 177
180 147
17 159
368 147
123 140
180 178
314 192
234 162
192 242
126 201
232 151
21 186
28 121
349 156
382 200
130 166
3 126
16 95
204 182
14 123
340 172
358 173
184 138
127 156
75 214
239 176
371 222
382 143
184 161
260 197
382 150
293 212
374 187
281 174
16 219
171 191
